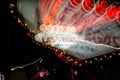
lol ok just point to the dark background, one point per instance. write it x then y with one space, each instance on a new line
16 45
18 49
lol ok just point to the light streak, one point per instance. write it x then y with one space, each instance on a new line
20 67
75 18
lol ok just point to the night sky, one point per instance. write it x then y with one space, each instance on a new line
17 49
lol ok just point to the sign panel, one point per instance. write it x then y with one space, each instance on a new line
83 28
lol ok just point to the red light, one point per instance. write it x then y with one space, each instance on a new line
100 9
88 4
111 12
118 17
75 2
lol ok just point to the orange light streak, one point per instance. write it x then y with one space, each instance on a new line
55 8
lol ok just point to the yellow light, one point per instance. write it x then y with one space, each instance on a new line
53 48
28 34
95 58
86 61
75 62
31 30
26 24
12 69
12 11
19 21
12 5
80 65
68 57
41 75
101 59
90 61
110 56
105 56
113 53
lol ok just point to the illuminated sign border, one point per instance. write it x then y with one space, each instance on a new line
59 53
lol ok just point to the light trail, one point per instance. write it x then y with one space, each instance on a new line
96 22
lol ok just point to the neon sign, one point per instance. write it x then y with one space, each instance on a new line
83 28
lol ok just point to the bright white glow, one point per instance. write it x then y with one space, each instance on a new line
92 34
